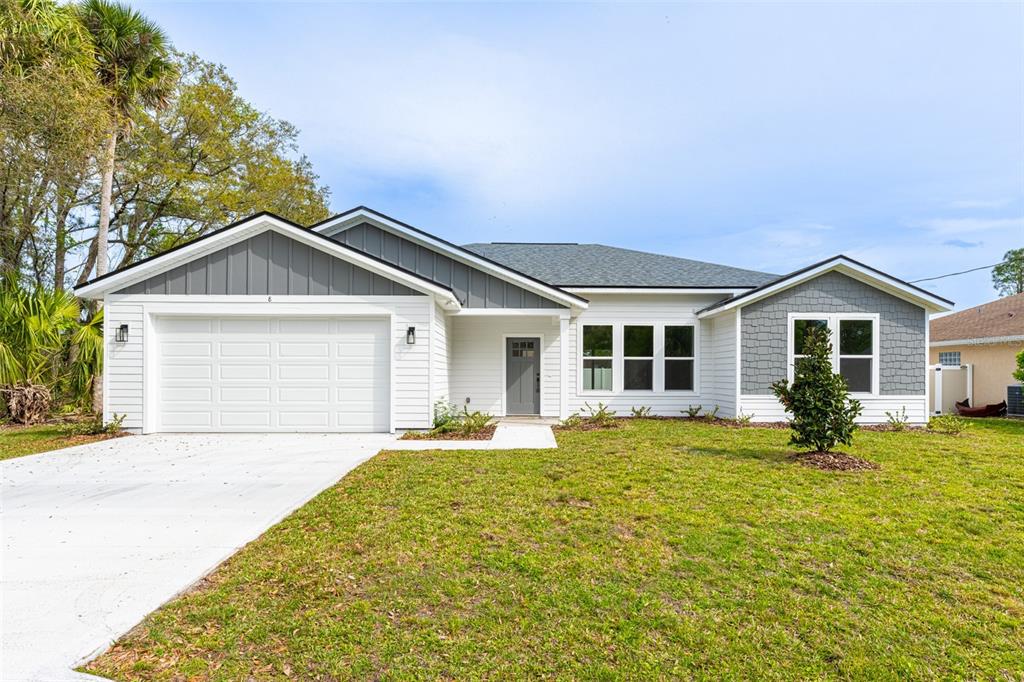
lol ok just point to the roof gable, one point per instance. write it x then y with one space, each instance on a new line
236 233
597 265
846 266
361 215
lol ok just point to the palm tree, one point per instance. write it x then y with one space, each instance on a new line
134 64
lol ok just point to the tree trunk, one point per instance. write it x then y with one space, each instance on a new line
102 254
107 170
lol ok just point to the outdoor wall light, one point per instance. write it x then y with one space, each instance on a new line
410 336
121 334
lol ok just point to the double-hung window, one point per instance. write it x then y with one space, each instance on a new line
854 346
679 357
597 357
638 357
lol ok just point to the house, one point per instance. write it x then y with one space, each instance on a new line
363 323
987 338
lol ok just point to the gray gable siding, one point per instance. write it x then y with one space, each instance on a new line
764 331
474 288
273 264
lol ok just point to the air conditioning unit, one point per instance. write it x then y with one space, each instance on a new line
1015 400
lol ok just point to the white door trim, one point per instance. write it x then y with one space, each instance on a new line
504 367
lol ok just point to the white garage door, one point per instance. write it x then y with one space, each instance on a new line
272 374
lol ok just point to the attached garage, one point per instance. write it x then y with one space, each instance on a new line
232 373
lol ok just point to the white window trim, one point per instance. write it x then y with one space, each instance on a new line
950 352
833 319
618 360
665 359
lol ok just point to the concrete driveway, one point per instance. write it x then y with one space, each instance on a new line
97 536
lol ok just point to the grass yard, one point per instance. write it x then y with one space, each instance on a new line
661 549
17 441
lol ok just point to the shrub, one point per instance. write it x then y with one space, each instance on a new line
898 420
600 415
713 414
692 411
474 422
642 411
1018 373
573 420
744 419
446 417
94 426
948 423
823 413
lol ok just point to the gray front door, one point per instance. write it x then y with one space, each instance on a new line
522 376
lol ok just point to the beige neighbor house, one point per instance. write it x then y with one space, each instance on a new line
987 338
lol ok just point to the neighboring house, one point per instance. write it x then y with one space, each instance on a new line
363 323
986 337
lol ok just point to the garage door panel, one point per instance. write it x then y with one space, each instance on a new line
267 374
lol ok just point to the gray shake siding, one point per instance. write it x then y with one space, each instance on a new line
269 263
901 341
474 288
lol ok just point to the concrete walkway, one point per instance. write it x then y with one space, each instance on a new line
97 536
510 435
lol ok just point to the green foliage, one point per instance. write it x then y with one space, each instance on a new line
640 412
823 413
898 421
600 415
948 423
446 416
47 339
1018 373
93 426
1008 276
692 411
474 422
448 419
744 419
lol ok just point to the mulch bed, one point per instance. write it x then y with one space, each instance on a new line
833 461
485 433
587 426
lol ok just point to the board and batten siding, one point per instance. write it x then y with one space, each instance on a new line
657 310
478 360
125 362
440 357
473 287
269 263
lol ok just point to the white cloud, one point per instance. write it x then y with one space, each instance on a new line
950 226
981 203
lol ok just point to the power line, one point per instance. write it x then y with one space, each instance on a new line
954 274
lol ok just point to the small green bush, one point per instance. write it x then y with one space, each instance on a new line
744 419
948 423
640 412
600 415
823 413
692 411
1018 373
474 422
93 426
898 421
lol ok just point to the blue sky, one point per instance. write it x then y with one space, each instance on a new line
766 136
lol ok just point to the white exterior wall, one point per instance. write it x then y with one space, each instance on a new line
719 376
766 408
440 357
478 359
657 310
127 379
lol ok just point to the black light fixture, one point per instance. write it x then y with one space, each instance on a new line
121 334
410 336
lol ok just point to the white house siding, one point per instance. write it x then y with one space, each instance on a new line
440 357
765 408
125 363
656 309
719 375
478 359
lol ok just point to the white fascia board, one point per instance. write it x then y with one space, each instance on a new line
248 229
1016 338
854 270
514 312
647 291
352 218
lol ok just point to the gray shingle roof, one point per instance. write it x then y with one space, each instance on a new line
608 266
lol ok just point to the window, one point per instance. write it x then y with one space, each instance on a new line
950 358
853 346
856 348
597 357
679 358
638 358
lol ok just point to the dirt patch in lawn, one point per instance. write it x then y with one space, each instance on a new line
485 433
833 461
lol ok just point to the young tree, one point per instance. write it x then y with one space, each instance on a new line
1018 373
1008 276
133 64
823 413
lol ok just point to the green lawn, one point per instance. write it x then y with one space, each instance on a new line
662 549
16 441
